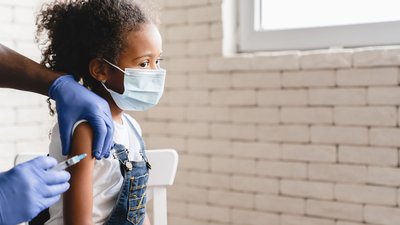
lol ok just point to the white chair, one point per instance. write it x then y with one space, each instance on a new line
164 163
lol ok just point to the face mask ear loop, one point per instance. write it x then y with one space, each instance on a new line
116 67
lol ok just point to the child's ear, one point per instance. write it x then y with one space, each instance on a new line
98 69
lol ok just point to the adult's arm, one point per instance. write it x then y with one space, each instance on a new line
19 72
74 102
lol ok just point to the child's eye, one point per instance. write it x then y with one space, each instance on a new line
158 62
144 64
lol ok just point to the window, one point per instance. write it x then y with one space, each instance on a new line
271 25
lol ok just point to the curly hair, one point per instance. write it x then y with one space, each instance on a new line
73 32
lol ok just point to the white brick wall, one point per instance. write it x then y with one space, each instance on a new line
292 138
288 138
25 122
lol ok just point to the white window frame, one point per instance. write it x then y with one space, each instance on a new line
252 39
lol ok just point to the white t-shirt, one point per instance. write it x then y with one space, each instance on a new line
107 178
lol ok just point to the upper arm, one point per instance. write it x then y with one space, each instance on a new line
78 200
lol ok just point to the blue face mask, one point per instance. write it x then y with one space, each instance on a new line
143 88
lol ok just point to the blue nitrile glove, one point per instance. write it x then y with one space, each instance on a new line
29 188
74 103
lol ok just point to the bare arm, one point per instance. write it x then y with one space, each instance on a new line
19 72
78 200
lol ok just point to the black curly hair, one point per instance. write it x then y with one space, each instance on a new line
73 32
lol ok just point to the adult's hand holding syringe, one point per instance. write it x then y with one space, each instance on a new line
69 162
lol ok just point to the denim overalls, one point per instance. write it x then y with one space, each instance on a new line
130 207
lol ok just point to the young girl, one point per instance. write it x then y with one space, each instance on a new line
112 47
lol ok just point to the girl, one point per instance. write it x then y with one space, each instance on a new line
112 47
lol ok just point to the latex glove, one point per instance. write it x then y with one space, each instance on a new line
29 188
74 103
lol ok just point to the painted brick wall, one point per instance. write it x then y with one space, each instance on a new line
25 121
293 138
297 138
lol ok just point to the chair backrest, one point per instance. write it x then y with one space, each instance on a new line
164 163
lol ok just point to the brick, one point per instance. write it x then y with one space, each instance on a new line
8 152
309 153
284 133
216 30
18 32
154 128
6 14
335 210
175 113
204 179
282 169
273 203
309 78
233 131
366 194
311 115
368 155
269 62
184 221
176 208
376 56
381 215
209 146
257 80
339 135
233 97
256 150
187 97
158 142
384 96
231 199
368 77
188 129
282 97
205 48
233 166
384 137
187 32
24 15
14 98
296 220
210 114
33 132
338 97
38 146
326 59
173 16
197 65
174 49
206 212
176 81
209 80
257 115
192 162
337 173
368 116
254 184
307 189
249 217
182 193
10 114
195 3
204 14
384 176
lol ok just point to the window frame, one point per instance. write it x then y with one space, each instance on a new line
252 39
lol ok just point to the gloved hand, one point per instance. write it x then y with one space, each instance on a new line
29 188
74 103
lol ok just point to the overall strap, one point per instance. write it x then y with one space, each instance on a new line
141 141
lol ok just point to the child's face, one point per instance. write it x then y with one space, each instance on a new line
143 51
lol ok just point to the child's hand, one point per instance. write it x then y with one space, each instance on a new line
74 103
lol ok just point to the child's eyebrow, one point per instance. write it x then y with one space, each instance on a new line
147 55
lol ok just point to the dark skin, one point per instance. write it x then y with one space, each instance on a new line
143 51
21 73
